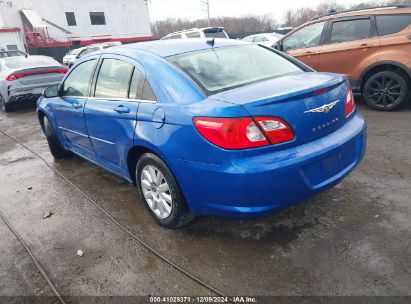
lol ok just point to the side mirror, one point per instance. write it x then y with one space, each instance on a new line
51 92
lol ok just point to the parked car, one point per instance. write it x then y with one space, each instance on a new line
22 79
71 56
13 53
92 48
371 47
226 128
266 39
207 32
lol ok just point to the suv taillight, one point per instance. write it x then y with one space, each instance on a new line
243 132
349 102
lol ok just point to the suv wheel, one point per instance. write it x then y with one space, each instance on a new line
160 192
385 91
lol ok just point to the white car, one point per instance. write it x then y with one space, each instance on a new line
71 56
88 49
266 39
206 32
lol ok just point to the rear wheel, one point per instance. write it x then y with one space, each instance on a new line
386 91
56 148
161 193
5 107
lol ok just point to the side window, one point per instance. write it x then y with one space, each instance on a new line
248 39
193 35
148 93
390 24
260 39
350 30
308 36
113 79
136 85
78 82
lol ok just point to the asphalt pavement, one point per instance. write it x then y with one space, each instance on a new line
352 240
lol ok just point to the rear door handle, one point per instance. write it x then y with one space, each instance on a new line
77 105
122 109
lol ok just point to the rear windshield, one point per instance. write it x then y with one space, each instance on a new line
23 62
11 54
221 69
212 34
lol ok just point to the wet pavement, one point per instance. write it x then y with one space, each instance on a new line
354 239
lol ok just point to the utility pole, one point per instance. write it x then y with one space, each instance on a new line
207 4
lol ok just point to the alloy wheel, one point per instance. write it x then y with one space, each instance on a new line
156 191
384 92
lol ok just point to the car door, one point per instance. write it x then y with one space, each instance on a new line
351 45
111 112
69 106
304 44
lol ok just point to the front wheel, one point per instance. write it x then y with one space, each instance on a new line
56 148
161 193
386 91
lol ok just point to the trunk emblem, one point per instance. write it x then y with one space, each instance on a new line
323 109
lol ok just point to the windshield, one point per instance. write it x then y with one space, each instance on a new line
221 69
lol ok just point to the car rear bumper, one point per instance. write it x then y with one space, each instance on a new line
27 92
252 186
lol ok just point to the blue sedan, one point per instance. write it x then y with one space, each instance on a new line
206 127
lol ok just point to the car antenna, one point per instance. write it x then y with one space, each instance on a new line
212 41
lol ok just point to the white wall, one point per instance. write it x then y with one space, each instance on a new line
11 38
124 18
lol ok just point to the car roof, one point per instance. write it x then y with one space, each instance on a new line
165 48
390 10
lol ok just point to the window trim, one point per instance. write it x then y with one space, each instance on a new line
322 37
353 18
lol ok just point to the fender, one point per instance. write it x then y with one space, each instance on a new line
380 63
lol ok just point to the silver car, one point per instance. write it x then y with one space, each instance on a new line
23 79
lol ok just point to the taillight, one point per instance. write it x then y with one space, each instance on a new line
15 76
244 132
276 130
349 102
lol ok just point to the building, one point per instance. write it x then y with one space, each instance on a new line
52 27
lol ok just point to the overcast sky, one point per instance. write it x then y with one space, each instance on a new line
193 9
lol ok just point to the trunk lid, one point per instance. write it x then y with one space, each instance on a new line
40 75
313 104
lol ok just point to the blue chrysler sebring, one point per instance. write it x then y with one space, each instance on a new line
206 127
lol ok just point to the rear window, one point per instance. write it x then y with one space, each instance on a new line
350 30
390 24
221 69
34 61
212 34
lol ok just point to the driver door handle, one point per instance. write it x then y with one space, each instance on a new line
122 109
77 105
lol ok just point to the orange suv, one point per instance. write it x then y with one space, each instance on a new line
372 47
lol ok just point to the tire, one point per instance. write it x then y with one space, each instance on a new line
161 195
56 148
5 107
386 91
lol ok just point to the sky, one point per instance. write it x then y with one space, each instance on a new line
193 9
